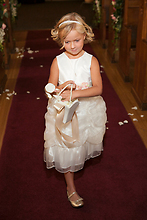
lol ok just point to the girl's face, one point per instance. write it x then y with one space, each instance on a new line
74 42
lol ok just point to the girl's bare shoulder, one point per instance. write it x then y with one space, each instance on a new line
94 61
54 62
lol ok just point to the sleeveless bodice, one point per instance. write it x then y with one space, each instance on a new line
77 70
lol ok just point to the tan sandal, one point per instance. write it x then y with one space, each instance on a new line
76 204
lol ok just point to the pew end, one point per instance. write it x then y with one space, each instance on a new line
127 50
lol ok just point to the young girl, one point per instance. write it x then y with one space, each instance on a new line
79 68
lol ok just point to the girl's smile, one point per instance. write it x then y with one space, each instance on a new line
74 43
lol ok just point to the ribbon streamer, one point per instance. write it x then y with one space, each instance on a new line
59 125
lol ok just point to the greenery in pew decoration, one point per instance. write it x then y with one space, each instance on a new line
97 12
3 13
117 17
14 5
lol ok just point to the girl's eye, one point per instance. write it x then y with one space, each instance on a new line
66 42
77 40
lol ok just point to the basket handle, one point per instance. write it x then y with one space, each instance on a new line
65 88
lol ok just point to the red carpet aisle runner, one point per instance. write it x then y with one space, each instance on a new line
114 185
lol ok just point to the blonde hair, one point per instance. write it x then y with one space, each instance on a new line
63 28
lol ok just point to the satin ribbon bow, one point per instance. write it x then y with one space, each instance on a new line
59 126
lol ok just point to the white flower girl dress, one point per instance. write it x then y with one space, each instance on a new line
91 115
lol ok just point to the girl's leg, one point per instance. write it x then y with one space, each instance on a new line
69 178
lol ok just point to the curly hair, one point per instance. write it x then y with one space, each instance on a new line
60 31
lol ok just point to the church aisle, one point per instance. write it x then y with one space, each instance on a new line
122 88
38 191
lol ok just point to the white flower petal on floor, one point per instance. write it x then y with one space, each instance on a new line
120 123
141 116
30 51
10 94
135 108
130 114
41 65
17 49
135 119
31 58
28 92
126 122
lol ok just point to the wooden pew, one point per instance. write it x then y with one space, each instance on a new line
128 37
3 76
10 29
9 43
104 23
6 50
139 88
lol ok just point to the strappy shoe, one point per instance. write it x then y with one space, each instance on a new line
76 204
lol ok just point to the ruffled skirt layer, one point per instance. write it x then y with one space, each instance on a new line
91 114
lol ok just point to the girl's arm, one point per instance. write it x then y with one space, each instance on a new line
96 88
54 76
54 73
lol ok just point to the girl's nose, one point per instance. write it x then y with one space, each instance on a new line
72 45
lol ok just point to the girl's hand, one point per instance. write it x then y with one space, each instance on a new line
65 84
66 95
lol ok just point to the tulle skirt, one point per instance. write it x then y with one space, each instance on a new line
91 114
